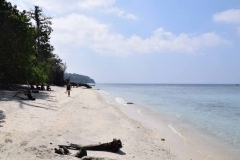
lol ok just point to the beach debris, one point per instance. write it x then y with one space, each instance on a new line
2 121
8 140
95 158
113 146
162 139
59 151
130 103
81 153
24 143
66 151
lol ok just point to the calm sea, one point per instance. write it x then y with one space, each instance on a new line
213 109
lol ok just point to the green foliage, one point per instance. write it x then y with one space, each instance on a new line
43 27
16 44
26 54
53 68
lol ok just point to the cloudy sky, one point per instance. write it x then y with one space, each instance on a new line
146 41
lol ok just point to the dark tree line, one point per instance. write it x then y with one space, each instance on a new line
26 54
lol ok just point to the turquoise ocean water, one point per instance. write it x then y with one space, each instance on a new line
212 109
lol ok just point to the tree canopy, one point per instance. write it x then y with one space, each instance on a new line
25 49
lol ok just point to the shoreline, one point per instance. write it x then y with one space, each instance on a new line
32 129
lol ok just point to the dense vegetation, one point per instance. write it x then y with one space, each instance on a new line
26 55
78 78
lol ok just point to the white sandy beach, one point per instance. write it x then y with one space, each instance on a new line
32 129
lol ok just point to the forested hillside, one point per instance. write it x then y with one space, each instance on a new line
78 78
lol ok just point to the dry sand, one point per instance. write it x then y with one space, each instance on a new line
32 129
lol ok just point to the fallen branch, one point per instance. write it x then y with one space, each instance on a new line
113 146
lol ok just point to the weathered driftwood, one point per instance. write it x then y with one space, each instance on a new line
113 146
82 153
94 158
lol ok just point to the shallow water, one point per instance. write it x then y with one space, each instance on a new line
212 109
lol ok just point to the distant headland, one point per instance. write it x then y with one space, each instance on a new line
77 78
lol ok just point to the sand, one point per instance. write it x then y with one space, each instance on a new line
32 129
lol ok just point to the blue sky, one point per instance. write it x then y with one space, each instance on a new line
146 41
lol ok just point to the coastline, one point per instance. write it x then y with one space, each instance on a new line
32 129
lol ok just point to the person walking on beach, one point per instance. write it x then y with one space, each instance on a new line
68 88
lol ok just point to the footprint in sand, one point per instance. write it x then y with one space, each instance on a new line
8 140
42 146
24 143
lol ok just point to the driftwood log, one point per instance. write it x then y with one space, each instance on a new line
113 146
95 158
64 151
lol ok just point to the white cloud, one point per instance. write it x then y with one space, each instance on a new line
131 16
95 3
229 16
57 6
120 13
60 6
83 31
78 29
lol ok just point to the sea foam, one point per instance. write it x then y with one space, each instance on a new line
121 101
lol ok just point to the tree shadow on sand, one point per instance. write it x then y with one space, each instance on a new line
22 102
9 94
2 117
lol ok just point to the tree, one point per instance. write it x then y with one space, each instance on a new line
16 45
51 63
26 54
43 26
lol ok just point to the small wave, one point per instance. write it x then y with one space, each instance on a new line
175 131
139 112
121 101
103 92
185 140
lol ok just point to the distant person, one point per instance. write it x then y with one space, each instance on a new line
68 89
